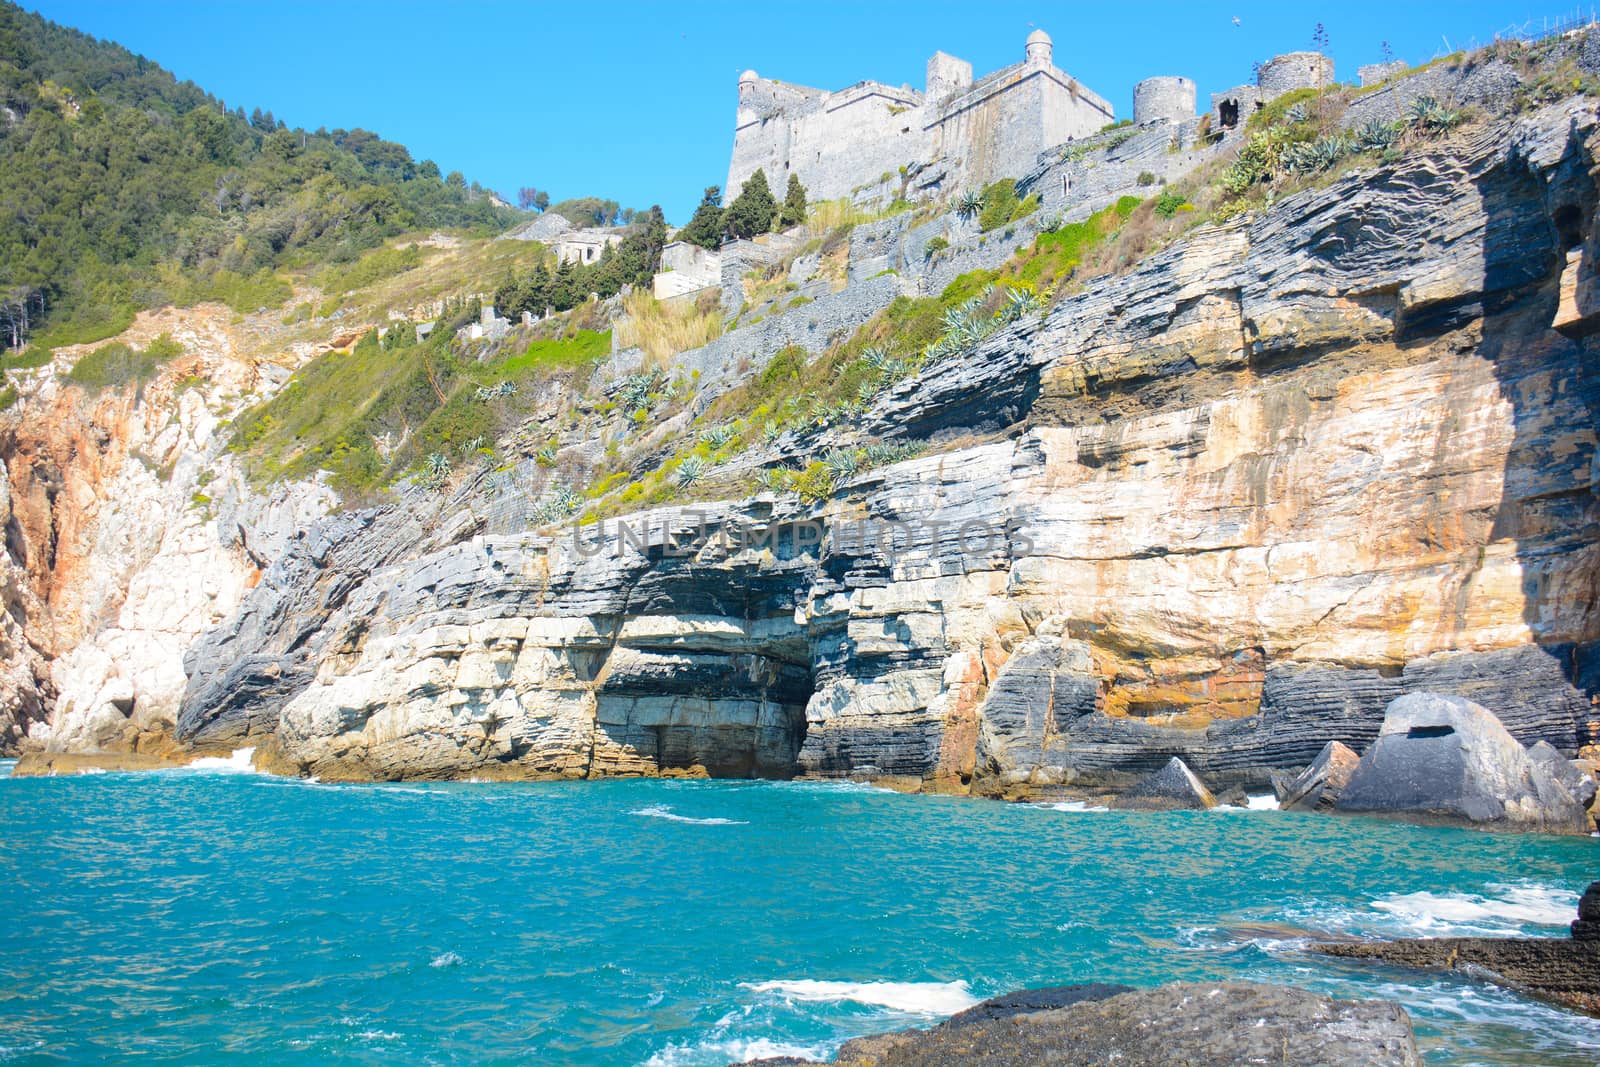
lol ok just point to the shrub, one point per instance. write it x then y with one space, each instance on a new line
1168 204
1145 178
934 247
999 201
117 364
814 484
8 396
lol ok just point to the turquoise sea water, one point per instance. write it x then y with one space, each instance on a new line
201 916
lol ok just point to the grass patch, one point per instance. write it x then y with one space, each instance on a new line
583 348
8 397
27 359
665 329
376 266
244 294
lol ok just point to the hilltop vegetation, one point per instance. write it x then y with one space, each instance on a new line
123 188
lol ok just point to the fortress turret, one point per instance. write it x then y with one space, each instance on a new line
1040 50
747 82
1169 99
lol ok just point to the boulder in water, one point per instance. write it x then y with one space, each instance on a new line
1444 759
1196 1023
1317 788
1570 773
1172 788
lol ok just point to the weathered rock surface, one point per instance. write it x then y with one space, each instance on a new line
1194 1023
1317 788
1172 788
1445 759
1565 971
1224 507
1276 476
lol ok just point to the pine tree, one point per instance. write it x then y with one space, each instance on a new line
707 227
794 204
753 210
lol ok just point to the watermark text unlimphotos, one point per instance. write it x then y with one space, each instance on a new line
690 533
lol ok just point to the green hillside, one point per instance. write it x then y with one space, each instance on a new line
123 188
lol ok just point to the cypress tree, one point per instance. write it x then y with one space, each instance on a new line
753 210
706 228
794 203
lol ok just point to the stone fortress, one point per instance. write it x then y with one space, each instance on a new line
957 133
872 142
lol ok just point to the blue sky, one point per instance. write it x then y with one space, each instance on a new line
635 101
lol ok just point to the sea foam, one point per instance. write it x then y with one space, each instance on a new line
722 1050
1512 907
661 811
913 998
238 763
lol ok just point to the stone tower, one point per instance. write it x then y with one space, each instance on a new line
946 75
1164 99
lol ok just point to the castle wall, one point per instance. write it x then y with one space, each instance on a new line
997 129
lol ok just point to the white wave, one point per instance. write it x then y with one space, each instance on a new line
1266 802
447 959
914 998
238 763
6 767
1535 905
1076 805
661 811
719 1051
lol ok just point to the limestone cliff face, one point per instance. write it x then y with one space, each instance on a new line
1224 506
125 536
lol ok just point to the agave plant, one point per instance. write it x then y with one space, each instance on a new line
1429 115
1298 113
435 470
718 435
690 470
546 456
770 431
1376 135
877 357
474 444
1020 302
494 392
970 205
558 503
841 462
635 391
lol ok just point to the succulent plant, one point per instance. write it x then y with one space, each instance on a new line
841 462
690 470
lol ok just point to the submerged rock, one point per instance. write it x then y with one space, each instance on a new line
1172 788
1445 759
1564 971
1195 1023
1317 788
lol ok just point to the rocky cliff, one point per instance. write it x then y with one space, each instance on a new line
1224 505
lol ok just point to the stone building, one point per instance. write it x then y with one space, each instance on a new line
954 135
686 268
585 246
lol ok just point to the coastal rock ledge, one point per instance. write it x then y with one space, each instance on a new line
1193 1023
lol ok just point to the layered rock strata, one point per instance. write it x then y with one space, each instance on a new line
1224 507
